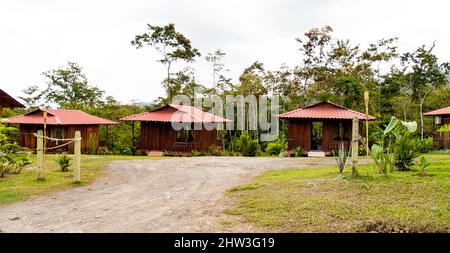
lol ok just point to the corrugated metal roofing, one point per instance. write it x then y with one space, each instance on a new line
442 111
60 117
324 110
7 101
177 113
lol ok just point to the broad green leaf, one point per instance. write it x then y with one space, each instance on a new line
376 150
391 126
411 126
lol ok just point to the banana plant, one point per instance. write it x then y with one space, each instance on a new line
382 152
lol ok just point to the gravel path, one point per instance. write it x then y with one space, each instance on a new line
166 195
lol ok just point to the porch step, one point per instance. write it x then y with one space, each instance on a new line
155 153
316 154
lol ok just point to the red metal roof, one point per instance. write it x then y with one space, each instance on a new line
177 113
8 101
442 111
60 117
324 110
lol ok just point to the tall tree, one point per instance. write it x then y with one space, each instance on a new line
33 96
423 74
313 51
215 59
172 46
69 88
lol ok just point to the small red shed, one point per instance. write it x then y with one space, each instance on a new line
61 124
322 126
157 133
441 117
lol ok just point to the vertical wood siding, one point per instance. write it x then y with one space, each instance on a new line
27 139
161 136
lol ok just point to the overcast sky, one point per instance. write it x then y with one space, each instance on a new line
39 35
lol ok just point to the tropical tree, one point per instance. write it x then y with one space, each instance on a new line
172 45
423 73
69 88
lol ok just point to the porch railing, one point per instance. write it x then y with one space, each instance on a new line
181 146
326 145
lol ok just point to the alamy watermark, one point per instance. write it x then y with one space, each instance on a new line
242 113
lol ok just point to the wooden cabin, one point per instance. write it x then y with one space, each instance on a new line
441 117
159 133
6 101
61 124
321 127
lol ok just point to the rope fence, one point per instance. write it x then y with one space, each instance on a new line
41 148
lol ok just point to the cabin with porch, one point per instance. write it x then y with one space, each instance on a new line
321 128
441 117
60 124
177 128
6 101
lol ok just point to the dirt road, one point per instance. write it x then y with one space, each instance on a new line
167 195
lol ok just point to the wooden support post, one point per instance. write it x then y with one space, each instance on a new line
133 141
355 146
366 101
77 157
40 155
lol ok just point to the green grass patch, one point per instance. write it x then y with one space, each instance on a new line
24 185
317 200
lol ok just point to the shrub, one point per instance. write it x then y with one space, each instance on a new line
91 142
215 150
405 150
141 152
197 153
422 166
299 151
276 147
234 153
64 161
260 153
18 164
341 157
425 145
103 151
246 145
283 154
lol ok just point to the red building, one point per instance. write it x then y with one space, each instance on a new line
61 124
441 117
321 127
157 133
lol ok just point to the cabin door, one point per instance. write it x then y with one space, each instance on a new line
317 135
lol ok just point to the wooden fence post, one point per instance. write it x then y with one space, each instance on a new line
77 157
355 147
40 155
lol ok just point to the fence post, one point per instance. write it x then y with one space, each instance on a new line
77 157
355 148
40 155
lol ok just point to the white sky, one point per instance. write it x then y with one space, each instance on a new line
41 35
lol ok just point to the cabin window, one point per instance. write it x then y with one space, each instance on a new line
340 132
56 133
185 136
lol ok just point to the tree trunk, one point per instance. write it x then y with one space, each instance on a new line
422 100
421 120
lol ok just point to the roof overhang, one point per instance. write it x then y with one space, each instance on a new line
7 101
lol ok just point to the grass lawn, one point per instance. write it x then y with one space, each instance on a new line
24 185
299 200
